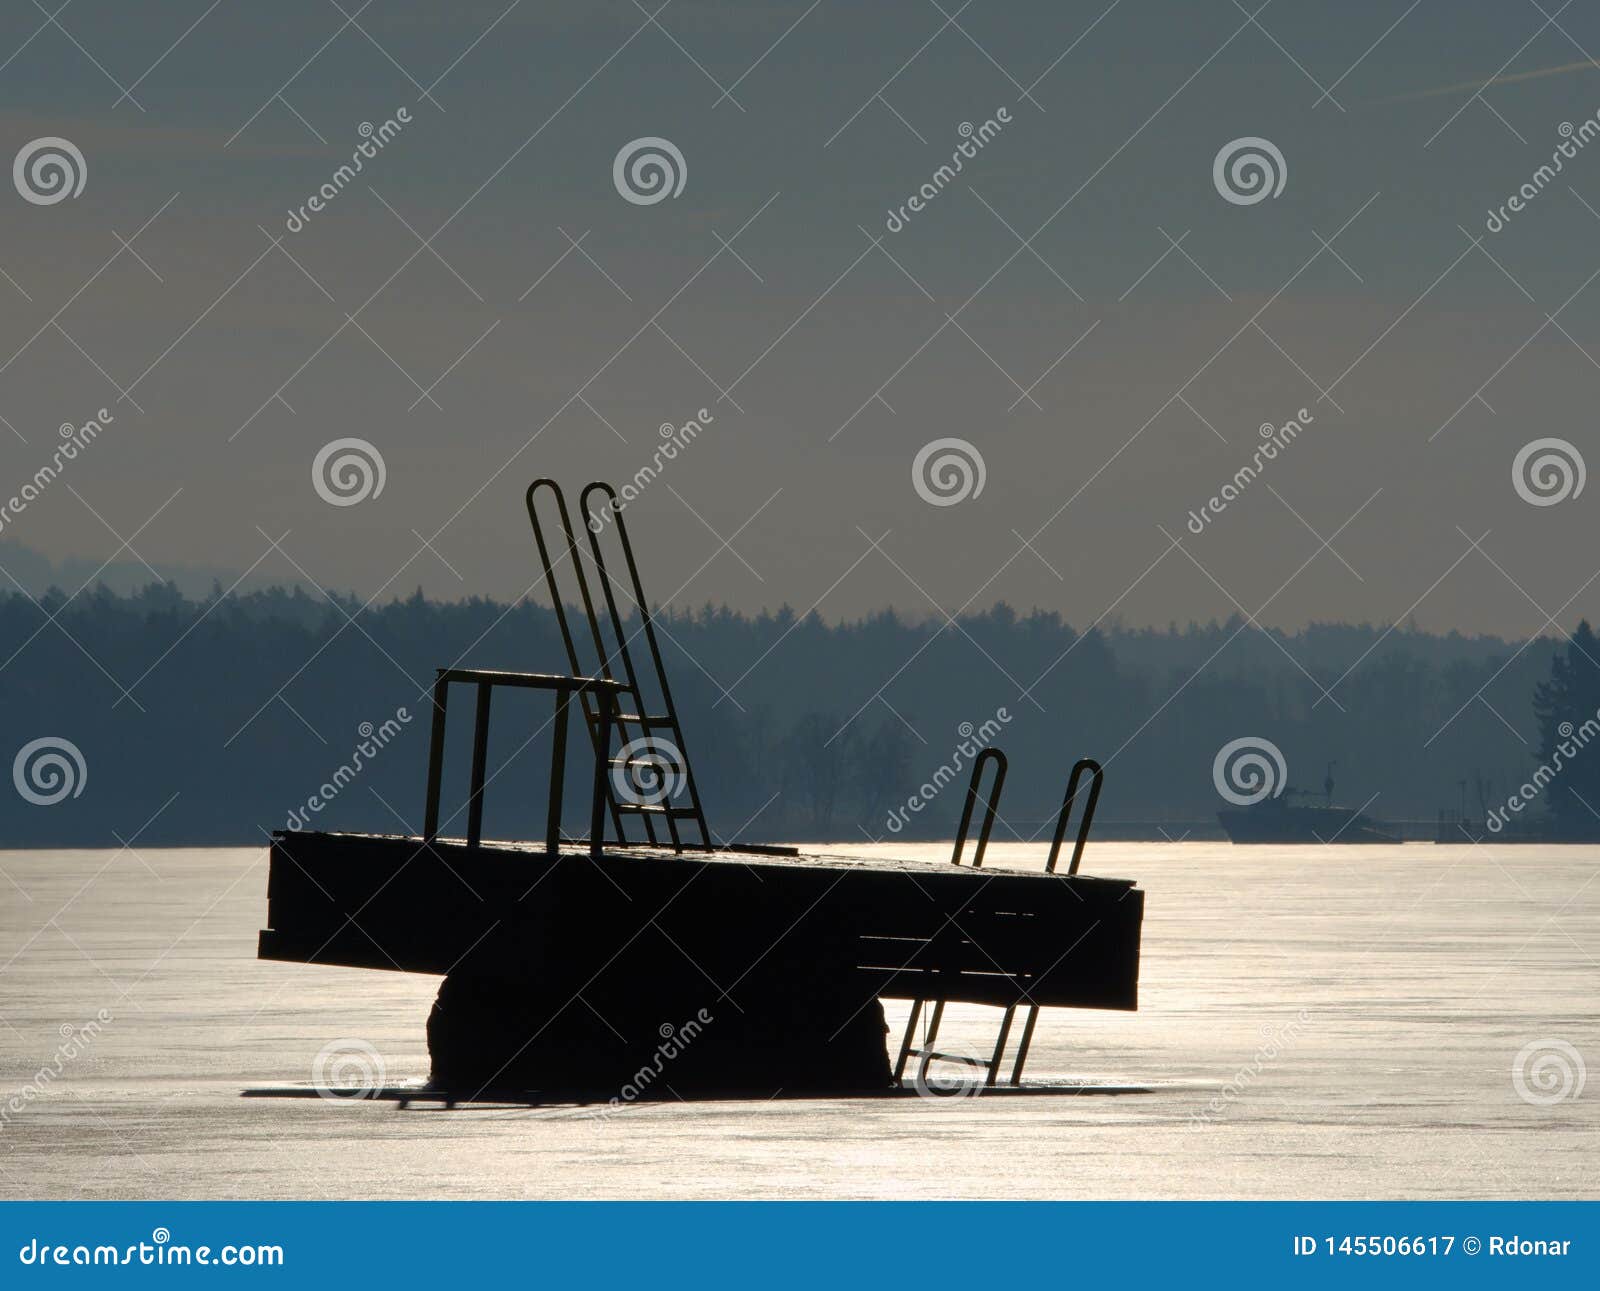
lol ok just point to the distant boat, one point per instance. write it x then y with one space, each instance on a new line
1277 820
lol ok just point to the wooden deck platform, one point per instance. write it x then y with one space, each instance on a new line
912 929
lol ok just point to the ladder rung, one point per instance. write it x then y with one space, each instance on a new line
640 719
655 809
951 1057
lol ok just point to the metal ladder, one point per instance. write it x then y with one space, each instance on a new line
639 732
927 1052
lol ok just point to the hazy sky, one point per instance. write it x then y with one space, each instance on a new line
1035 308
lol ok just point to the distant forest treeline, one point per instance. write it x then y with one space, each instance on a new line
211 720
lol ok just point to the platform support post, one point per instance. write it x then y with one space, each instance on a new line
1000 1046
905 1043
1027 1039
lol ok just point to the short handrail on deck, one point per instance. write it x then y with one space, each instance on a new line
605 692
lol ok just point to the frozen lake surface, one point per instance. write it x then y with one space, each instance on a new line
1319 1021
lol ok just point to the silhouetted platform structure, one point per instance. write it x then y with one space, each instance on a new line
914 931
568 961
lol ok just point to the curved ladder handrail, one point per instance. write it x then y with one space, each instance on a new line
991 806
1098 775
643 607
1097 772
927 1052
558 602
554 587
647 623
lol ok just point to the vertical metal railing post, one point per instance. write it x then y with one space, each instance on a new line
430 824
602 766
480 758
558 772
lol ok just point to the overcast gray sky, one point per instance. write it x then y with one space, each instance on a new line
1080 303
